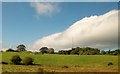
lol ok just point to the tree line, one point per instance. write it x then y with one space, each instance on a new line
88 51
72 51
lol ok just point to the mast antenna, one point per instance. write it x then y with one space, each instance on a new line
72 42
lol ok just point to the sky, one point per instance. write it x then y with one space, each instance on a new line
34 23
60 0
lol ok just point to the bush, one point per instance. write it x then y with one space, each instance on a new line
3 62
16 59
36 53
28 61
10 50
65 66
110 63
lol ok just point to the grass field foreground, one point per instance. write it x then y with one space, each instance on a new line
62 63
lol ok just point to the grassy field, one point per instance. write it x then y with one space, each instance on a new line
62 63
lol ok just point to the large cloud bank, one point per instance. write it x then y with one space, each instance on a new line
94 31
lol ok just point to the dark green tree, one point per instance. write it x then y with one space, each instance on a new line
51 51
60 52
108 52
115 52
81 52
21 48
103 52
44 50
75 50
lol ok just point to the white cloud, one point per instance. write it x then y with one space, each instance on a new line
2 49
45 8
95 31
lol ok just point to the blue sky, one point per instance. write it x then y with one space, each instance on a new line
23 24
62 0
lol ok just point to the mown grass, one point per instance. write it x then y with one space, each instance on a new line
36 68
56 62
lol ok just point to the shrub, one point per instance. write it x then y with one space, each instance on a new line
36 53
16 59
3 62
77 66
10 50
65 66
110 63
28 61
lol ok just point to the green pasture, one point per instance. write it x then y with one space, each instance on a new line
70 60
